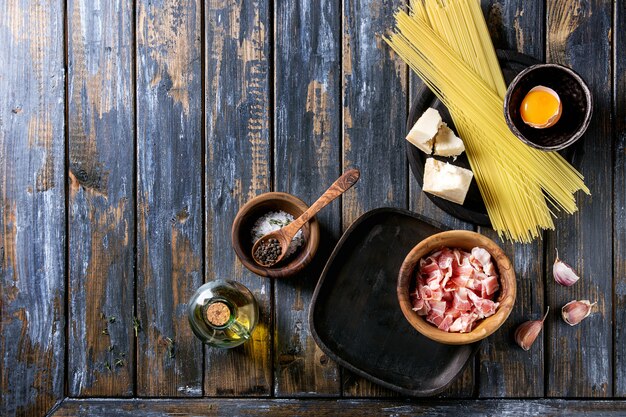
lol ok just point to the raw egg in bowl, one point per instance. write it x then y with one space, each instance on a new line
541 107
548 106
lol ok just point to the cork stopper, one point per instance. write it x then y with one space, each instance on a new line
218 314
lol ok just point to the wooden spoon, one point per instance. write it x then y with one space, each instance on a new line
277 242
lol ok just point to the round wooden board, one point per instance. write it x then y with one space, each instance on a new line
473 209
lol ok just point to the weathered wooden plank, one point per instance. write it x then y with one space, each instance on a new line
420 203
505 369
101 198
335 408
462 387
32 207
237 168
169 195
619 199
374 114
579 359
307 159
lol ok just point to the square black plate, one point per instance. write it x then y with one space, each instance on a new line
355 316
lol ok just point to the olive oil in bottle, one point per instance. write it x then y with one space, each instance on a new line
223 313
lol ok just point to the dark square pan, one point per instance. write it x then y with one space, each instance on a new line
355 317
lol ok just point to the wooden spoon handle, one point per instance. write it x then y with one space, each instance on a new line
343 183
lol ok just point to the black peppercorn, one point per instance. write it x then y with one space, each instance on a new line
268 252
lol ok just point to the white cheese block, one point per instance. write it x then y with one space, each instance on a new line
447 143
446 181
424 130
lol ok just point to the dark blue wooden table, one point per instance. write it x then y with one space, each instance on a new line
132 131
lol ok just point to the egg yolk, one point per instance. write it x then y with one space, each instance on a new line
538 107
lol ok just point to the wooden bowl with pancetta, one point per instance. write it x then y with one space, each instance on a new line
456 287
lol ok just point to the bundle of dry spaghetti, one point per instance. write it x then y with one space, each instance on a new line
446 42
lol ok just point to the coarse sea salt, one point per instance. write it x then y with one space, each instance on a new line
272 221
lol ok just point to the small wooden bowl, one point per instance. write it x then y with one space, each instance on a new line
464 240
242 238
575 99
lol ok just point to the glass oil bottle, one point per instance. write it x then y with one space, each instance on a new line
223 313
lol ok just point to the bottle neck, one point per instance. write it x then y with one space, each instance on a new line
219 313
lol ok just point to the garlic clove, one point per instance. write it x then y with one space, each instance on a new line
527 332
563 273
575 311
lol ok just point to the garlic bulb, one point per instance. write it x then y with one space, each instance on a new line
527 332
563 273
575 311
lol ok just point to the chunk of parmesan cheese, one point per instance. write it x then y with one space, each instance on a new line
446 181
447 143
424 130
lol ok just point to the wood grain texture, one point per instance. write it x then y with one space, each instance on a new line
307 160
505 369
101 198
237 168
32 207
619 202
333 109
336 408
420 203
169 195
464 386
579 359
374 115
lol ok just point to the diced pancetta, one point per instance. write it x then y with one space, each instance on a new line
447 295
436 320
451 286
446 278
456 326
480 255
464 269
461 302
422 307
458 256
490 269
425 293
484 307
445 259
464 323
445 323
438 308
490 285
435 255
475 285
453 312
434 283
461 281
455 288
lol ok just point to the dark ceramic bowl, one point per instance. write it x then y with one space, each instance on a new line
256 208
575 99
